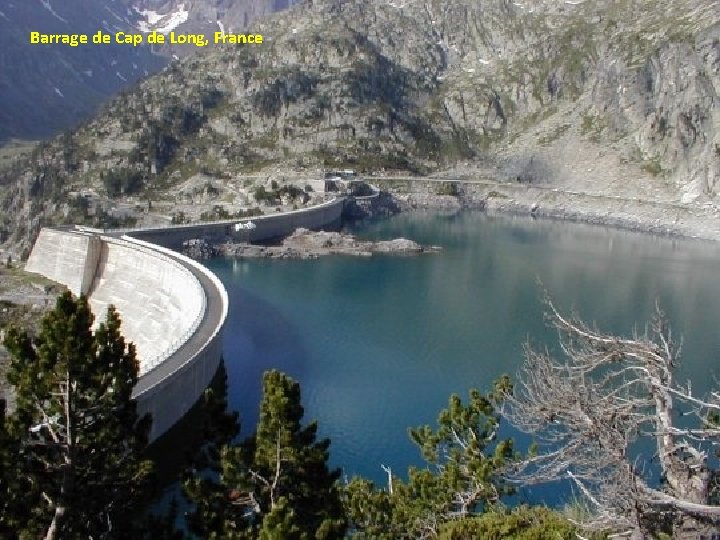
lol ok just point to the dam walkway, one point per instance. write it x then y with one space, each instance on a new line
213 318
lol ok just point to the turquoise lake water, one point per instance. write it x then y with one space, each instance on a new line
378 344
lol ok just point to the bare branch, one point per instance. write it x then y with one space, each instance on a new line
388 471
587 410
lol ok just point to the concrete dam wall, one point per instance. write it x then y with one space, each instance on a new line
69 259
267 227
174 384
160 300
171 307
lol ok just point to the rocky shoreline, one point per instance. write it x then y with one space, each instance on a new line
702 224
539 201
306 244
661 218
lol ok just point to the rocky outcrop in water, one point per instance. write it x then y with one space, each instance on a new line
199 248
305 244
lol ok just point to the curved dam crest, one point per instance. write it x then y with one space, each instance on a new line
172 307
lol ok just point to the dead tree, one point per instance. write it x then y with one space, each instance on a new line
587 410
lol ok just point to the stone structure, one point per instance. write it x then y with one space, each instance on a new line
70 259
160 300
267 227
171 387
172 307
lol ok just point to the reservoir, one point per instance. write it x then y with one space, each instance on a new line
378 344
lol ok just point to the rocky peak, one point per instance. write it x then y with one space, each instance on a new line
609 97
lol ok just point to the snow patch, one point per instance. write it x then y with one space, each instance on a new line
120 76
221 27
88 72
176 19
484 62
46 5
58 92
4 16
151 17
162 23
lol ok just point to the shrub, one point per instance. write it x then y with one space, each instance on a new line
523 523
448 188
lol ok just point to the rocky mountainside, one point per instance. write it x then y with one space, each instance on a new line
614 96
45 89
202 16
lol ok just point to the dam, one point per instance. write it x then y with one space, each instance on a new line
172 308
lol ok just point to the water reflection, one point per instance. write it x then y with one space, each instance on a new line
379 344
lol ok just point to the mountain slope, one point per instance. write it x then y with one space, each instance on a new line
202 16
45 89
614 96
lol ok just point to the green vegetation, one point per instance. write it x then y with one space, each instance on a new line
361 105
554 135
276 193
262 195
296 85
179 218
73 465
71 452
593 126
463 477
14 277
653 166
448 188
13 151
278 480
105 220
370 157
219 212
122 181
523 523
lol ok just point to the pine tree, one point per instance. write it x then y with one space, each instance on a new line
79 438
14 489
464 474
277 484
202 486
287 461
